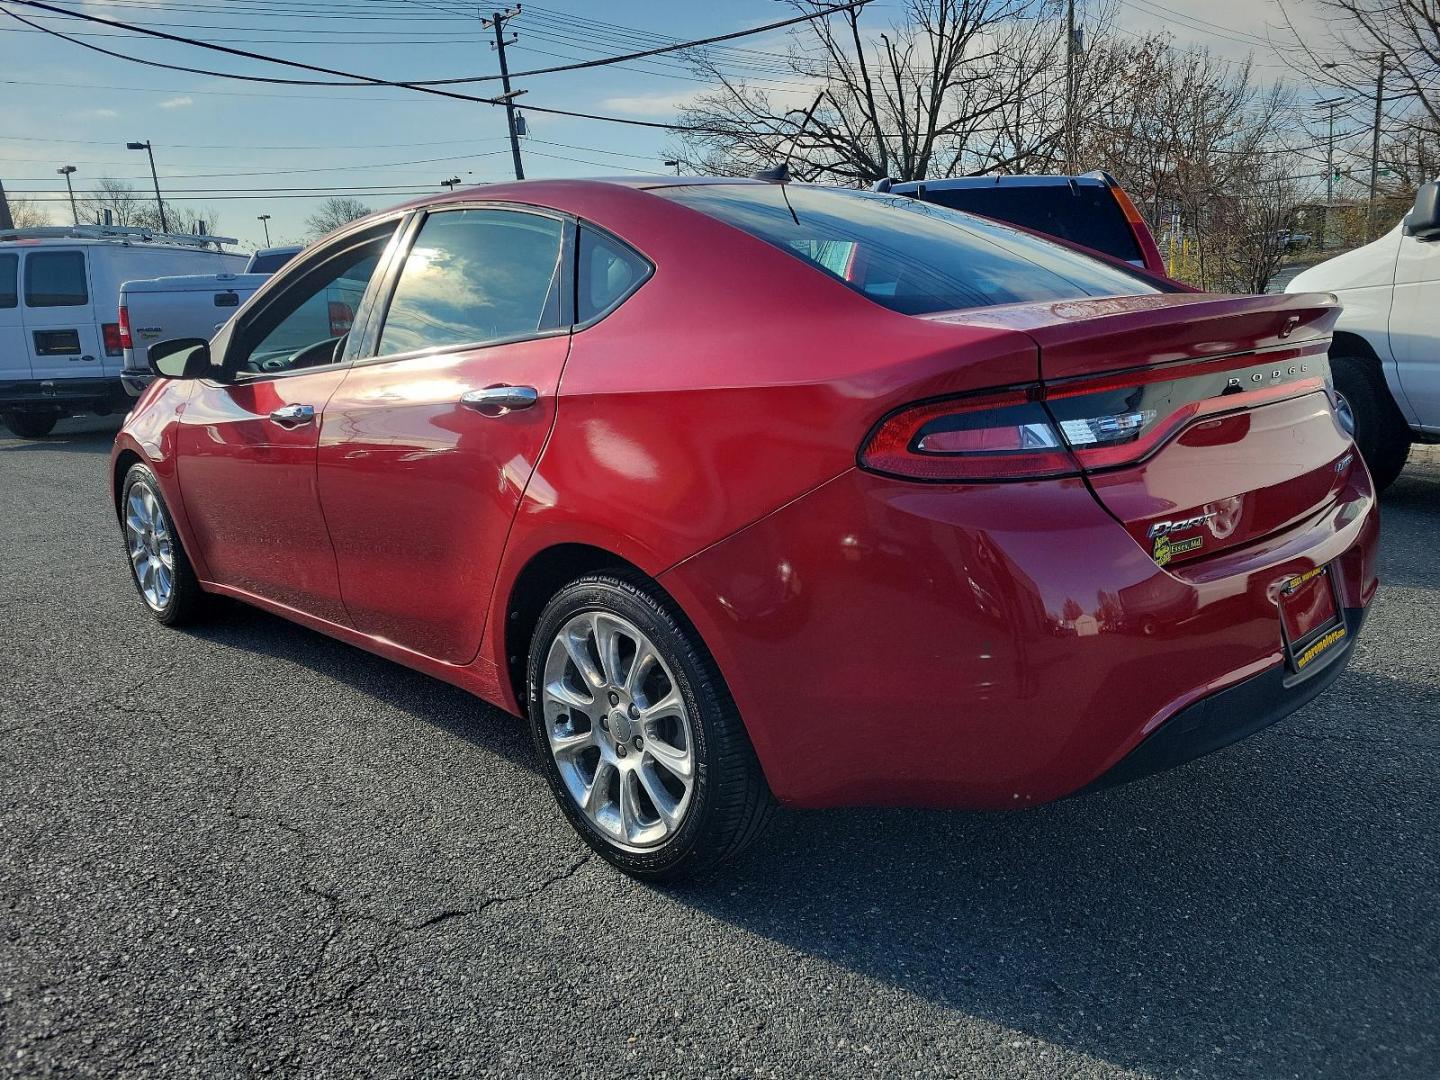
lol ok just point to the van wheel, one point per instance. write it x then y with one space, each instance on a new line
159 566
636 731
29 425
1380 431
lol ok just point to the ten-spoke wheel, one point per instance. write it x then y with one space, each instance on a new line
638 735
158 565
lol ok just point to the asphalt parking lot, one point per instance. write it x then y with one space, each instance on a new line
247 849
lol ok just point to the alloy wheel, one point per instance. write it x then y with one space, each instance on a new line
151 546
618 729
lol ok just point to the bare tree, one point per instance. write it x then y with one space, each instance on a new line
911 101
27 213
334 212
133 207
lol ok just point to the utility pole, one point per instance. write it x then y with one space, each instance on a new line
1070 86
1328 105
498 20
264 219
1375 151
674 164
159 202
65 171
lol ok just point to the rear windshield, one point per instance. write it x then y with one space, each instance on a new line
911 257
1085 214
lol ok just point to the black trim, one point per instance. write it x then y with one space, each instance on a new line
1234 713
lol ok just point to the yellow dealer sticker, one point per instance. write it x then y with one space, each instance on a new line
1166 549
1334 637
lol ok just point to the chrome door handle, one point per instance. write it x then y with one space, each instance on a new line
499 400
294 415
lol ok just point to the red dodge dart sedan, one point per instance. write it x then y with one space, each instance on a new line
746 491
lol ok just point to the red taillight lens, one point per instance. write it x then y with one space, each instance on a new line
125 341
113 338
342 316
1005 436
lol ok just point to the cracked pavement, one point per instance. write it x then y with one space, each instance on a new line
247 849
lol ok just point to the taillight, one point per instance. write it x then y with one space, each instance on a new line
113 337
1005 436
125 341
1080 426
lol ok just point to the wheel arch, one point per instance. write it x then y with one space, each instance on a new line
543 575
1347 345
125 459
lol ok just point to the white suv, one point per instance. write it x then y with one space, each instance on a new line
1386 352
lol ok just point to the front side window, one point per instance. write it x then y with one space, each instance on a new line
55 279
609 272
476 276
308 322
909 256
9 280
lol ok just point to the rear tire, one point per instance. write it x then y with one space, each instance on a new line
159 567
29 425
606 719
1381 434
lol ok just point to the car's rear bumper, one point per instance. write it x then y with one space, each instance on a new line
993 646
1236 713
104 394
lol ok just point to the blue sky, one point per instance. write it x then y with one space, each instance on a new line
66 105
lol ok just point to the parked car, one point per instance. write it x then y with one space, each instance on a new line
190 305
60 342
1386 350
1091 210
744 491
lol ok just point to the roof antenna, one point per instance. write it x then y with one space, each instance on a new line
780 174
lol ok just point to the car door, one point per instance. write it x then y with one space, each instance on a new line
62 336
14 356
430 440
247 438
1414 335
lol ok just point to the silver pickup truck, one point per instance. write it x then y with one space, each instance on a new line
190 305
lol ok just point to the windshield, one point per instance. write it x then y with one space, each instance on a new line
912 257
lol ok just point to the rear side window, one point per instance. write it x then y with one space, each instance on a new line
609 272
55 279
475 276
1084 214
9 281
911 257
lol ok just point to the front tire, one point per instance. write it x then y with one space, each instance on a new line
28 425
636 732
159 566
1381 434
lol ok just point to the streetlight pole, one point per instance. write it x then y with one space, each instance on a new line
159 202
452 183
65 171
264 219
676 166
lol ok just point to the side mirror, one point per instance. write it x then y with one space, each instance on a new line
180 358
1423 222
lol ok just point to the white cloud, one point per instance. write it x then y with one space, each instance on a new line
103 114
177 102
661 103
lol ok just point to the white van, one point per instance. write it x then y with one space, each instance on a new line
60 347
1386 353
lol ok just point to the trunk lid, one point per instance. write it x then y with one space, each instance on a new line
1202 423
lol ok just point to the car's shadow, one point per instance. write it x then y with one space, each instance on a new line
1249 914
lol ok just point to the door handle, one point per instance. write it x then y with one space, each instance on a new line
293 415
499 400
